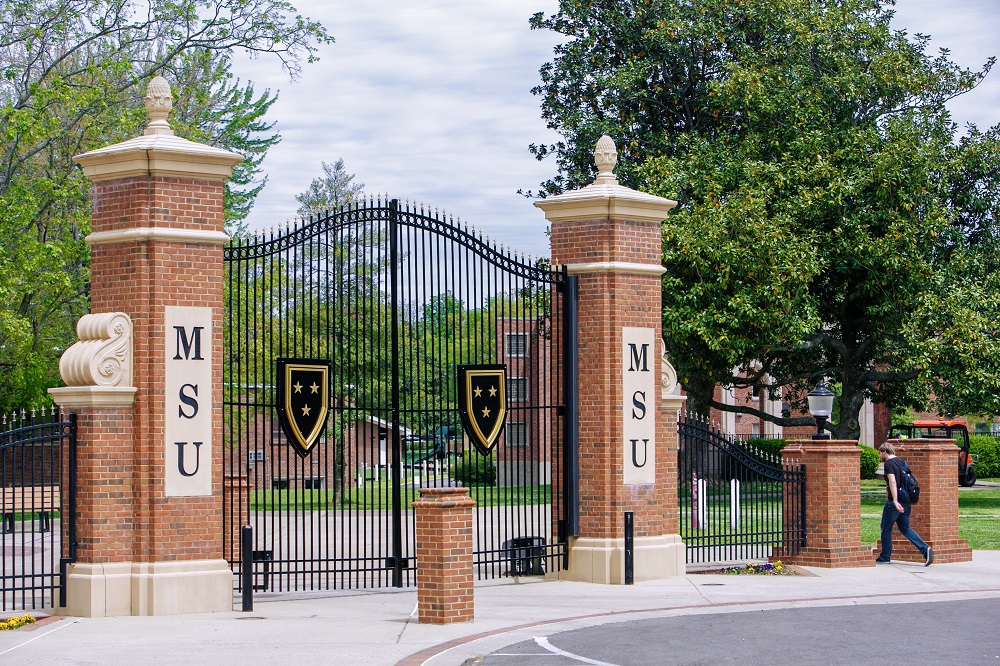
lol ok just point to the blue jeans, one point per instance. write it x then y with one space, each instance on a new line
890 517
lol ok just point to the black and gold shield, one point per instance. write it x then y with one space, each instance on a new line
482 401
303 400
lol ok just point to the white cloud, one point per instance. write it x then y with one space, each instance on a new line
430 100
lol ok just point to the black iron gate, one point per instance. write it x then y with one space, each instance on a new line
736 502
395 297
37 507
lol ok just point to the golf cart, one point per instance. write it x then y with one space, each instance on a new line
956 430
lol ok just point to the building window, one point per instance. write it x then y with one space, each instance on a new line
256 456
517 389
755 392
279 484
755 429
517 434
314 483
517 345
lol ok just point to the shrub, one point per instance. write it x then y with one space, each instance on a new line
473 469
869 461
986 448
767 445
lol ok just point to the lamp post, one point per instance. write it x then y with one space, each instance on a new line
821 407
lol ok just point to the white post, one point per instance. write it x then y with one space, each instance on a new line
702 505
734 504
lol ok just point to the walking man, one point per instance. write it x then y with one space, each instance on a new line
895 512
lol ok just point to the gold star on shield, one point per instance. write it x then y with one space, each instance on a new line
297 387
305 410
493 391
478 392
315 387
486 411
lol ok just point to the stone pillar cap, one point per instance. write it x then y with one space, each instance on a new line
158 151
605 197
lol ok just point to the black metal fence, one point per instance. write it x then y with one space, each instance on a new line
736 502
395 297
37 454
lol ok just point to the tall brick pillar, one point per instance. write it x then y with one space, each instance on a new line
149 459
444 555
833 504
935 516
609 236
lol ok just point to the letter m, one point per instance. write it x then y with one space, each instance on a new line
185 344
637 359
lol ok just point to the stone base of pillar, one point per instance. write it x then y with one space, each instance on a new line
139 588
828 558
945 551
603 560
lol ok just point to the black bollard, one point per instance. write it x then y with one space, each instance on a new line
628 547
246 568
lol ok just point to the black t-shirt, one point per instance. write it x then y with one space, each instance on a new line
893 466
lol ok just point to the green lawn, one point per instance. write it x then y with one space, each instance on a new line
761 514
978 517
377 495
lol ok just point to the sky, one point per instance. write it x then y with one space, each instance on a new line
429 100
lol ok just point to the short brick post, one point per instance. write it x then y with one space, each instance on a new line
444 555
833 504
935 516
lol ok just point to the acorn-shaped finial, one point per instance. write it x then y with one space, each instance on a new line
159 101
605 157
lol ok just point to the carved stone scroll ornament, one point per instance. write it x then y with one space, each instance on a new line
668 378
103 356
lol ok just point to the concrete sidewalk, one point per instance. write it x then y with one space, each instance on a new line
379 627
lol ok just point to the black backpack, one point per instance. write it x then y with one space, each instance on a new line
908 489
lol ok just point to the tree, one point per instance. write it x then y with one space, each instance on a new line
830 226
333 190
73 79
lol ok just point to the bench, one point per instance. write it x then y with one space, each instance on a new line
43 500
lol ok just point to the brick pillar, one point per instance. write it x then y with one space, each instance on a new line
444 555
935 516
609 236
151 475
833 504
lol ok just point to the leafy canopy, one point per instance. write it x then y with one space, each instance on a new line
73 77
832 224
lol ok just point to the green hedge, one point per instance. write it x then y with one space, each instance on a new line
986 448
869 456
473 469
869 461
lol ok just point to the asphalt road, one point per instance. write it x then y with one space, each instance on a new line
947 632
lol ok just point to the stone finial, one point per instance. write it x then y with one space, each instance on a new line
159 101
606 157
103 356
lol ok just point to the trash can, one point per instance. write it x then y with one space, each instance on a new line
526 556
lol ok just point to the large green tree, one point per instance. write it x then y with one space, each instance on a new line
832 224
73 77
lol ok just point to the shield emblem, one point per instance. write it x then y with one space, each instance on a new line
303 400
482 401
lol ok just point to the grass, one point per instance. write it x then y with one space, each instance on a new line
756 515
378 495
978 518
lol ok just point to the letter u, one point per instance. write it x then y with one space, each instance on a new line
180 458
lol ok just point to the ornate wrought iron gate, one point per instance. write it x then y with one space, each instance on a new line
735 502
395 297
37 507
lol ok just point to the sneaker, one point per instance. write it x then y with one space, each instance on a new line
928 557
882 560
